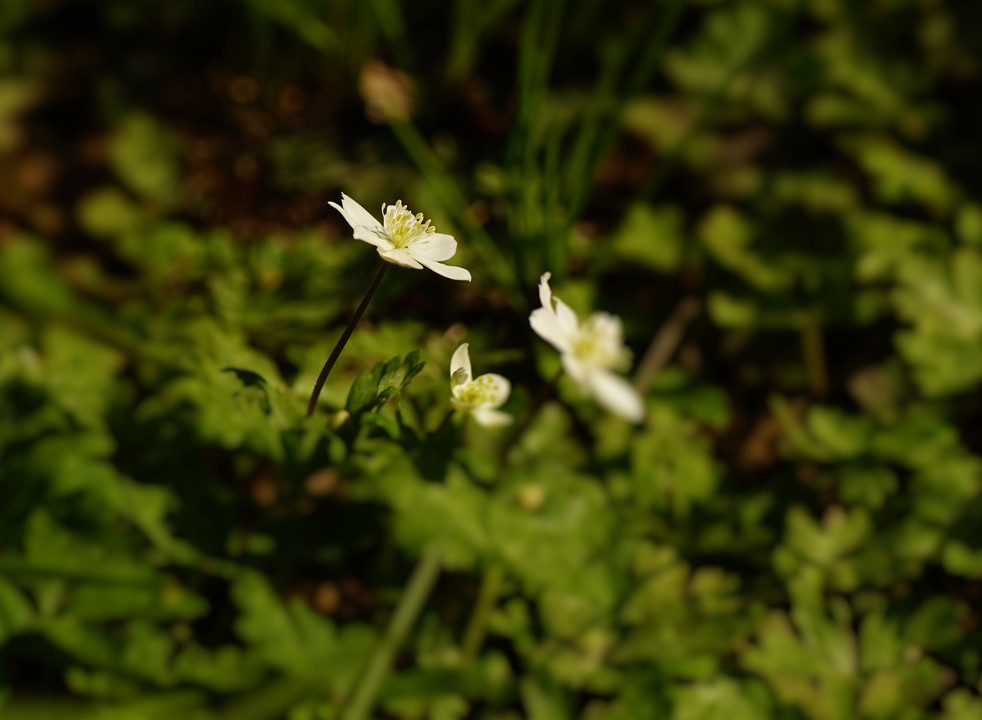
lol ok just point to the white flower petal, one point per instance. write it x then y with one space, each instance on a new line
427 250
545 292
356 215
497 388
617 395
567 318
343 214
373 236
365 227
577 370
448 271
460 363
480 396
547 326
400 256
587 351
491 418
433 246
556 325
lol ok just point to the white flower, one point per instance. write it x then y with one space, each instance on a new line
590 352
481 396
402 238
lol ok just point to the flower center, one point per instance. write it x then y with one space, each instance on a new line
402 227
479 391
600 343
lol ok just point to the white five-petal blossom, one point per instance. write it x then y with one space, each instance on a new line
481 396
402 238
591 351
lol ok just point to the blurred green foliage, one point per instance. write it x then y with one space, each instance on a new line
794 533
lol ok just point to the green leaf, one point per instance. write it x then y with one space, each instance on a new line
729 238
186 704
959 559
163 600
363 394
107 213
146 157
722 698
961 704
450 512
373 388
901 176
651 236
16 612
840 533
52 552
827 435
943 300
290 637
28 279
544 701
662 476
811 663
681 618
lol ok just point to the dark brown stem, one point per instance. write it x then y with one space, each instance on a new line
343 340
813 347
443 423
665 342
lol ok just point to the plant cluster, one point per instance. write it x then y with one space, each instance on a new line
778 515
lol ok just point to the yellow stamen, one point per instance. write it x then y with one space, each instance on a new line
402 227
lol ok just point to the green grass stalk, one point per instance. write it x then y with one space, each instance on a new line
477 625
407 611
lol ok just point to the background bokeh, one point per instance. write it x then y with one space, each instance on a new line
781 198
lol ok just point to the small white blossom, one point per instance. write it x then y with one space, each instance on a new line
590 351
481 396
402 238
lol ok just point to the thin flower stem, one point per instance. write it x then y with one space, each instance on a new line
343 340
477 626
813 348
410 604
665 343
